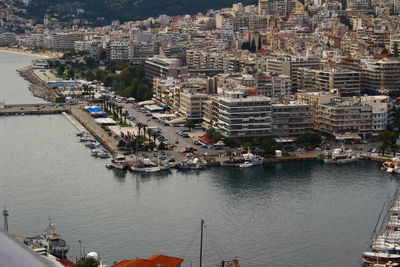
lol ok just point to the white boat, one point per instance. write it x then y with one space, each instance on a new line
392 165
246 160
191 164
340 156
148 166
119 162
87 138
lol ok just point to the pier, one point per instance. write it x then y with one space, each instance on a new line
84 118
34 109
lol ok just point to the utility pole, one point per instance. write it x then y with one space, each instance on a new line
201 243
5 214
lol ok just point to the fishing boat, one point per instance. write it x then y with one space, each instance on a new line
148 166
193 163
49 240
119 162
245 161
339 156
392 165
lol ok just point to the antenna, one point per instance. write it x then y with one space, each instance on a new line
5 214
201 243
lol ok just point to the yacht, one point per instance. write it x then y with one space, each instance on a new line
245 161
119 162
392 165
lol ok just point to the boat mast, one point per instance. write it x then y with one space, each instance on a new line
5 214
201 243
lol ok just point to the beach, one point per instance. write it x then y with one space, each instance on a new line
29 52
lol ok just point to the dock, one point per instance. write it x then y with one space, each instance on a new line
76 124
84 118
36 109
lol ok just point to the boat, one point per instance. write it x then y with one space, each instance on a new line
95 151
245 161
109 165
339 156
87 138
119 162
392 165
148 166
81 134
191 164
385 243
103 155
49 240
381 258
92 145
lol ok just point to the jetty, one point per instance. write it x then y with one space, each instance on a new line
84 118
34 109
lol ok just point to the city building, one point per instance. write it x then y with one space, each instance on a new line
159 66
244 116
291 119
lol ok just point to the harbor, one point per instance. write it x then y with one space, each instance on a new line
74 188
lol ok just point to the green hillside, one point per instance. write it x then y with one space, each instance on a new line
124 10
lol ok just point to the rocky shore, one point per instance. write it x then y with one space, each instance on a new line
37 87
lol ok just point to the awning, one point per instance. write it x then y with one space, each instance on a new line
178 121
347 136
106 121
205 139
147 102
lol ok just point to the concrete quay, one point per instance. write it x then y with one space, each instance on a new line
37 109
95 129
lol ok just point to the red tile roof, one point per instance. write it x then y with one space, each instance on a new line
67 263
153 261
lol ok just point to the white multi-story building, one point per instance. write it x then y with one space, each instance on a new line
244 116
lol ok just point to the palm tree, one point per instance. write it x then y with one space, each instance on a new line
140 126
155 136
144 130
150 133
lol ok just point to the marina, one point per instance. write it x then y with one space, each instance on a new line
286 206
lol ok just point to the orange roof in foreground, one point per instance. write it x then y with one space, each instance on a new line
153 261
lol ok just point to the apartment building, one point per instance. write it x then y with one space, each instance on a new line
291 119
338 81
64 40
192 105
273 85
381 111
8 38
345 115
290 65
380 76
244 116
159 66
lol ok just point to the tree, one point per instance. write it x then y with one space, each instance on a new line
259 43
309 139
395 49
60 70
70 73
140 127
253 47
388 139
90 62
88 262
60 99
189 124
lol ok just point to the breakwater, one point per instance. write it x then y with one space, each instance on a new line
38 87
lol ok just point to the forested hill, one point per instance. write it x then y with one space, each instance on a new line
123 10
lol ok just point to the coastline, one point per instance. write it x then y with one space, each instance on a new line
28 52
